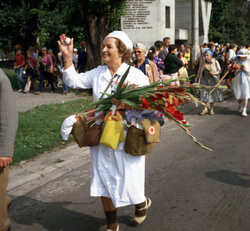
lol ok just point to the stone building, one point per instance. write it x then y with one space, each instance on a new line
150 20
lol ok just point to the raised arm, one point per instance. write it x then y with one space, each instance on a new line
70 77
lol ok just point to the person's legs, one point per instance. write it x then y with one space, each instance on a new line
110 213
211 108
205 110
4 199
244 110
20 80
141 211
51 81
41 81
65 88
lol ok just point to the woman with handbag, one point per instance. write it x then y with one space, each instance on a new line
117 177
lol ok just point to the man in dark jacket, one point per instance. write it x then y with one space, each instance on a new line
82 58
8 128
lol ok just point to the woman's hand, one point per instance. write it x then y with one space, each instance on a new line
66 49
120 105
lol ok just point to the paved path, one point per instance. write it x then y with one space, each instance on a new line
191 189
28 101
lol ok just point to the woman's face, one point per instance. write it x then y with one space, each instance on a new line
44 52
110 52
207 57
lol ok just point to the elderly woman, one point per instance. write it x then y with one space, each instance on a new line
241 84
147 66
117 177
208 75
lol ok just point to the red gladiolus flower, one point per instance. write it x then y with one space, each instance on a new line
145 103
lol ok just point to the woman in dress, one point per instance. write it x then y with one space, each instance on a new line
208 75
153 55
117 177
241 84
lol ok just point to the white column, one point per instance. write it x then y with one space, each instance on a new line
195 36
206 8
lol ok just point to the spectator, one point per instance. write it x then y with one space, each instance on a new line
75 58
82 58
8 128
59 77
164 52
208 75
183 70
241 84
172 64
19 67
153 55
148 67
231 55
34 54
182 49
187 56
30 69
159 45
46 71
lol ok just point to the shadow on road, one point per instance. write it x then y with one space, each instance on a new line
40 216
232 178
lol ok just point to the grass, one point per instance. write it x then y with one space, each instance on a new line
39 128
12 77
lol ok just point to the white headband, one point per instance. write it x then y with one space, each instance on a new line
123 37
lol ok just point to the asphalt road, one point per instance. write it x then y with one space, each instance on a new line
191 189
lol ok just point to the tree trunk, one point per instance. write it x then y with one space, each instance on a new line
97 28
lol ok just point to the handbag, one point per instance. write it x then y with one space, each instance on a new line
152 129
88 135
135 143
113 128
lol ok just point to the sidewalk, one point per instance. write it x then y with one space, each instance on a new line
28 101
31 174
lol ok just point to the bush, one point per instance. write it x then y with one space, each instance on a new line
12 77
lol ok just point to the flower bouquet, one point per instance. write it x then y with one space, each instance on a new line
159 96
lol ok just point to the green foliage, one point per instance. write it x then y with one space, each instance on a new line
39 128
12 77
229 21
39 22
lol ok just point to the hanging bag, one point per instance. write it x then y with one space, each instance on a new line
113 130
90 135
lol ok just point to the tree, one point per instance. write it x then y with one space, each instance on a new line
229 21
39 23
99 17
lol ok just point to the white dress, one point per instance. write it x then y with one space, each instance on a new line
241 83
116 174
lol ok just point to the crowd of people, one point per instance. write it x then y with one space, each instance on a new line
164 61
45 68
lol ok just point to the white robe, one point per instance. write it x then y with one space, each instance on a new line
241 83
116 174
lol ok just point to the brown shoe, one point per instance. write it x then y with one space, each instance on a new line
141 213
52 92
38 93
204 112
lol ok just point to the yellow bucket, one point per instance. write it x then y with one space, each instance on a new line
113 130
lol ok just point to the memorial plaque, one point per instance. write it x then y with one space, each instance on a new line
140 14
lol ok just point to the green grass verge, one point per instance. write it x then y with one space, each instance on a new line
12 77
39 128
